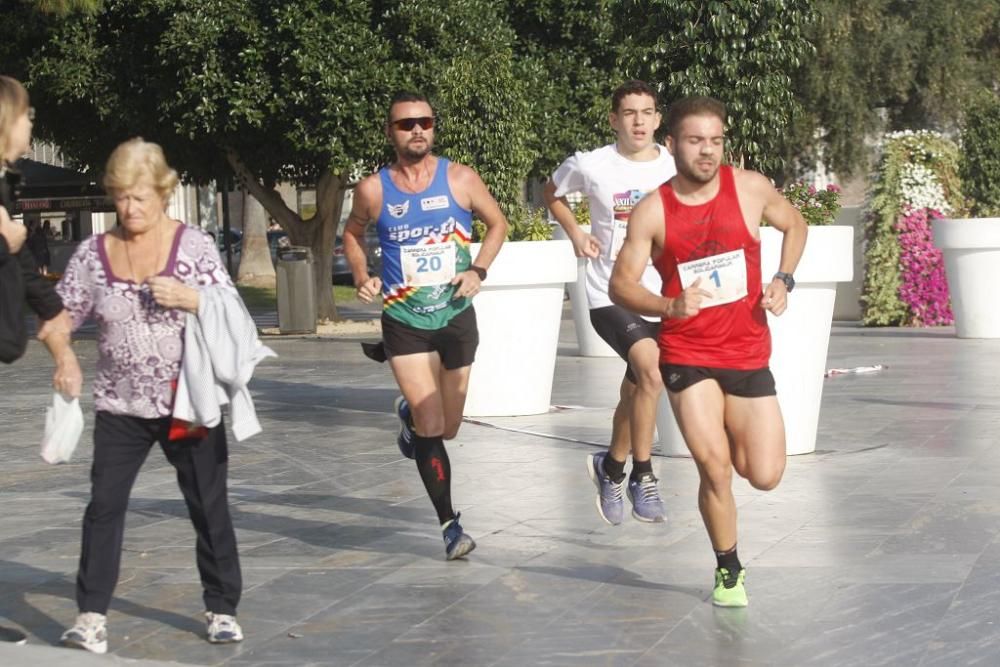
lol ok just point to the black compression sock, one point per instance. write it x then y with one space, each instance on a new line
435 471
640 468
729 560
614 469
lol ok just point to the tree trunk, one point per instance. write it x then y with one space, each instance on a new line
255 256
317 233
329 202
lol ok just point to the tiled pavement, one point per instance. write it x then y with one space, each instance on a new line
881 548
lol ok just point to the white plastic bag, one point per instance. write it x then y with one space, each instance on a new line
63 426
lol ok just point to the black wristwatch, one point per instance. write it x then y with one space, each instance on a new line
479 271
787 279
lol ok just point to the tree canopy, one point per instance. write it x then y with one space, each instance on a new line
297 91
890 65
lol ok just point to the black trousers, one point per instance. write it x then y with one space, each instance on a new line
121 445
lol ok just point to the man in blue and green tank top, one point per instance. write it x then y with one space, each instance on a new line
423 206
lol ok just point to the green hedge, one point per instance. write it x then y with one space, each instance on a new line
980 165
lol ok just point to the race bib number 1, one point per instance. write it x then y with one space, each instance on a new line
428 265
724 276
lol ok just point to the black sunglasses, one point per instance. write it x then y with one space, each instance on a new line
407 124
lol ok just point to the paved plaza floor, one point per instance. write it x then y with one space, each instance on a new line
882 548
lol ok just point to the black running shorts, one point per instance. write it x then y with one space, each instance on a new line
747 384
621 330
456 342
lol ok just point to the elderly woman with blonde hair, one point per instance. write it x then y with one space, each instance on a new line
139 282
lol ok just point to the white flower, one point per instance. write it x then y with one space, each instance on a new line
920 188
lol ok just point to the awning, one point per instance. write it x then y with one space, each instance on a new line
45 187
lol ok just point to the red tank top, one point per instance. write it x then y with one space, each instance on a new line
732 335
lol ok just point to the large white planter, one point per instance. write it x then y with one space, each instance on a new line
519 311
589 344
971 249
800 337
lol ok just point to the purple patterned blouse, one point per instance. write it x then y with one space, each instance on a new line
139 343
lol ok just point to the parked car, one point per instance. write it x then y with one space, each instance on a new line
235 239
276 239
235 245
341 269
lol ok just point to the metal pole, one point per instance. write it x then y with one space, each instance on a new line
224 185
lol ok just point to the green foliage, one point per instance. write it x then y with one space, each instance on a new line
489 110
818 207
568 50
576 52
582 212
523 224
300 87
291 87
742 52
980 163
266 298
460 53
896 190
63 7
528 224
887 64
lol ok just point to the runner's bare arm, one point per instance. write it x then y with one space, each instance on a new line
784 217
584 244
645 228
645 236
485 207
367 201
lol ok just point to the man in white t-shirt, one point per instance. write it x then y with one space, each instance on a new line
614 178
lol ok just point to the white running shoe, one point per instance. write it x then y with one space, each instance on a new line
90 632
223 628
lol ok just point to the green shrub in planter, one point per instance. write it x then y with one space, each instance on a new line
523 224
582 212
817 206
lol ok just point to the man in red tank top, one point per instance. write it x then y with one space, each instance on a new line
702 233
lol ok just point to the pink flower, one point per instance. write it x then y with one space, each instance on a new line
923 286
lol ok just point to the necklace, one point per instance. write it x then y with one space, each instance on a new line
128 253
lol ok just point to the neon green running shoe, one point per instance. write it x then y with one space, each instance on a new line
729 589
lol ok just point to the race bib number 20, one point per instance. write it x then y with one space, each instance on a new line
724 276
428 265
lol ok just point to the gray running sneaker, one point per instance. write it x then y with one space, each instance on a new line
644 494
610 502
90 633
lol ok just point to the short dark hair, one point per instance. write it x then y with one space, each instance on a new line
632 87
693 106
405 96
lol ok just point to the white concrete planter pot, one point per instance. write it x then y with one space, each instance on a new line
519 311
799 338
588 342
971 249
